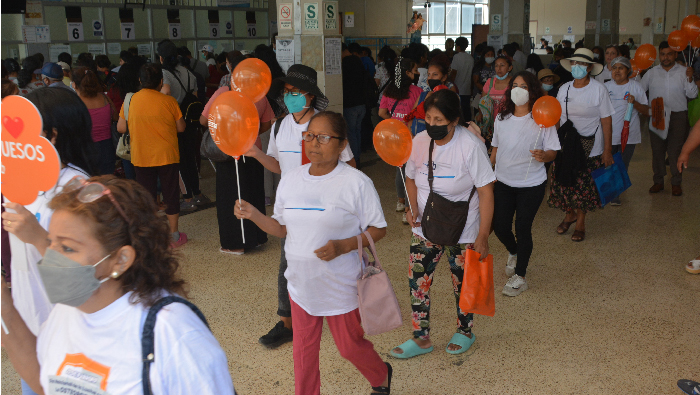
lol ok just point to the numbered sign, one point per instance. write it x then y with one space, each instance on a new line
252 30
128 32
214 30
75 31
311 16
174 31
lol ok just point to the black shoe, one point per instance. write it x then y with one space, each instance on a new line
387 389
277 336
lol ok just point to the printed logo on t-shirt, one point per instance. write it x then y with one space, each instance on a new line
434 170
79 375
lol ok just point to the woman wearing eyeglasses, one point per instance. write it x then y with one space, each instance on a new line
302 98
320 208
66 122
107 263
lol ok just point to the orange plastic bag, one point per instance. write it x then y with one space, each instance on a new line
477 286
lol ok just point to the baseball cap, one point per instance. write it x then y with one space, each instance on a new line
208 48
63 65
52 70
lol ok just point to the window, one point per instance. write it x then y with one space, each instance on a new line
450 19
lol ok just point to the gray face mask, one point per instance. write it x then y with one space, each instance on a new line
67 281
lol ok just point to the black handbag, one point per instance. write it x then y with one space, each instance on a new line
209 150
575 149
443 220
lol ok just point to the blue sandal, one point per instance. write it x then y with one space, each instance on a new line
460 340
410 349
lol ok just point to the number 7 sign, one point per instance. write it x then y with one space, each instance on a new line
128 32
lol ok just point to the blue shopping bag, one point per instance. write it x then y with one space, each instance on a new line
611 181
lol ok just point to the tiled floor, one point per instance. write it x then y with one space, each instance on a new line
614 314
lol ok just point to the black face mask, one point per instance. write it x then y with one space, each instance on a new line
415 79
434 83
437 132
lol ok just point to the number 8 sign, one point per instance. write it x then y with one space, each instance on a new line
174 31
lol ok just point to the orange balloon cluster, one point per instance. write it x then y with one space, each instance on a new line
645 56
691 27
695 43
234 123
393 142
252 77
546 111
677 41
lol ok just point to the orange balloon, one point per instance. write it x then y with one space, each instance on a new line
635 69
695 43
645 56
691 27
252 77
677 41
547 111
234 123
393 141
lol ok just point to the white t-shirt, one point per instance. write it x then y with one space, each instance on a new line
463 63
458 166
618 96
175 88
515 137
83 353
316 209
587 106
28 292
604 76
286 147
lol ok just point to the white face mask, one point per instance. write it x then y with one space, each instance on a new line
228 68
519 96
489 59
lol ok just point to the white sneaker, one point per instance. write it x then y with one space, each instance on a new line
693 266
400 207
404 220
515 286
510 265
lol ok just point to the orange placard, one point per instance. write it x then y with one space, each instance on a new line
30 163
657 114
477 286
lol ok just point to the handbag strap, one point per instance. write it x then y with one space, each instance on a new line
396 103
372 249
567 102
430 164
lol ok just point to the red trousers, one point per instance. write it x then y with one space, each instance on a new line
349 338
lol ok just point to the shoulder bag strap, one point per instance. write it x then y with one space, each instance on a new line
148 336
178 80
471 195
373 249
491 85
385 85
394 107
567 102
430 164
278 123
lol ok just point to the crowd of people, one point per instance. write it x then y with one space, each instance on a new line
93 259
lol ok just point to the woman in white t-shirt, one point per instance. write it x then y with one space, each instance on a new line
320 208
611 53
302 99
586 103
66 123
521 181
107 261
622 92
462 172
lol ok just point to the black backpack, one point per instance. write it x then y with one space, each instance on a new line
191 106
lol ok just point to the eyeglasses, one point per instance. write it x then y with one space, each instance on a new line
322 138
293 92
91 191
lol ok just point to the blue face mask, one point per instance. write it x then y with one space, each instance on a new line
295 103
547 87
504 77
579 72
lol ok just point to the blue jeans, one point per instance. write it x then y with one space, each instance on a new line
353 116
129 171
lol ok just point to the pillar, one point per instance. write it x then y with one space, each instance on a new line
314 26
606 17
515 22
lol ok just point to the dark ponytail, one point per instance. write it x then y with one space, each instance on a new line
86 81
29 64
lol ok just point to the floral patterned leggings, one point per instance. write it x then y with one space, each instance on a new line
422 262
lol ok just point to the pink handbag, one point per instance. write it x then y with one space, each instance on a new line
379 309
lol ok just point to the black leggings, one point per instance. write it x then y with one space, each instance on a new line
523 203
187 141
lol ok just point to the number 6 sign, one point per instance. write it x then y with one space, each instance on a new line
128 32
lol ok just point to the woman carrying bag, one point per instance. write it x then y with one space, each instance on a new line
320 208
449 168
